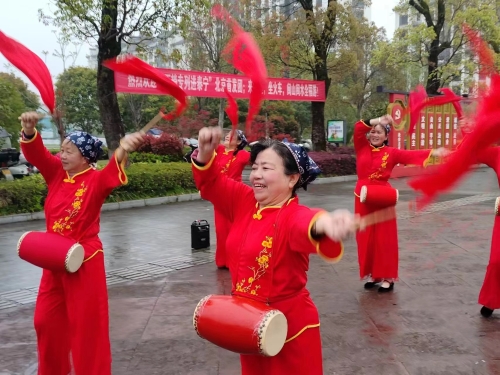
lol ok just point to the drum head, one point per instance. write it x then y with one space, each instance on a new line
274 333
74 259
362 194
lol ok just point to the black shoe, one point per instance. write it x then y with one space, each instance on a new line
486 312
371 284
381 289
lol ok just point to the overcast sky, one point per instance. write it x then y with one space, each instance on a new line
19 20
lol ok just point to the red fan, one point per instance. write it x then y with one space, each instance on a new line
133 66
459 163
32 66
244 54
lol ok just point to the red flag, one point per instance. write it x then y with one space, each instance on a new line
136 67
32 66
244 54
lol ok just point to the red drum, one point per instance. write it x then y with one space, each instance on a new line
241 325
379 196
50 251
497 203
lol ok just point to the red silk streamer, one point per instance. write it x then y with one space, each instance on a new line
133 66
244 54
481 49
458 165
418 101
232 112
32 66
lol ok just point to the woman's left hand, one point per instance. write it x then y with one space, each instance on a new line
337 225
132 142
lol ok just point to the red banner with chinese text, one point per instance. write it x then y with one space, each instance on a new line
212 85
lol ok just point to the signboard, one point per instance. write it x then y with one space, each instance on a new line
336 131
213 85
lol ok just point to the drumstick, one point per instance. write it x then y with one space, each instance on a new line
152 123
376 217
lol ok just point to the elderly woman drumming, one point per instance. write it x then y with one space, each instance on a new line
71 312
270 241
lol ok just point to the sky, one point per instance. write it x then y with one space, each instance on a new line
19 20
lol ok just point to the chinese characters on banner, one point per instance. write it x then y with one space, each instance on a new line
213 85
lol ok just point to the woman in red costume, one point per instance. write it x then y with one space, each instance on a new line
270 241
489 296
71 313
378 244
232 159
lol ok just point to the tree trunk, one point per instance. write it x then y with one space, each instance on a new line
433 81
318 132
109 47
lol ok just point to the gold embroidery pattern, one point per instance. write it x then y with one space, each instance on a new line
247 285
226 167
67 223
378 174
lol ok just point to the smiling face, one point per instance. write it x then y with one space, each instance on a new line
271 185
377 136
71 158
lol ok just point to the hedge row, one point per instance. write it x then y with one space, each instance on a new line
334 164
146 180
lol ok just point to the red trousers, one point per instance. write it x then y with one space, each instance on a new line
222 227
490 291
378 252
71 317
301 356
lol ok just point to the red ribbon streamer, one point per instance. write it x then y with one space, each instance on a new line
32 66
458 165
244 54
134 66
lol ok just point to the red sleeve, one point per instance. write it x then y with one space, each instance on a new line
411 157
489 157
37 154
300 238
225 194
360 130
112 176
244 158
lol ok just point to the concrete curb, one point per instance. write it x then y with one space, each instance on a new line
9 219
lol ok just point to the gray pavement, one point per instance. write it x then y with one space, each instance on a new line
430 324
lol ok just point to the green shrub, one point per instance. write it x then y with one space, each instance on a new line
23 195
145 180
148 157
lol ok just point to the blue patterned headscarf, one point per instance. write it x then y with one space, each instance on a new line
89 146
307 167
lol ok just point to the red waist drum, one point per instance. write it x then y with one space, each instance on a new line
240 325
379 196
50 251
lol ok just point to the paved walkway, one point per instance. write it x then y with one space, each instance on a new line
430 324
